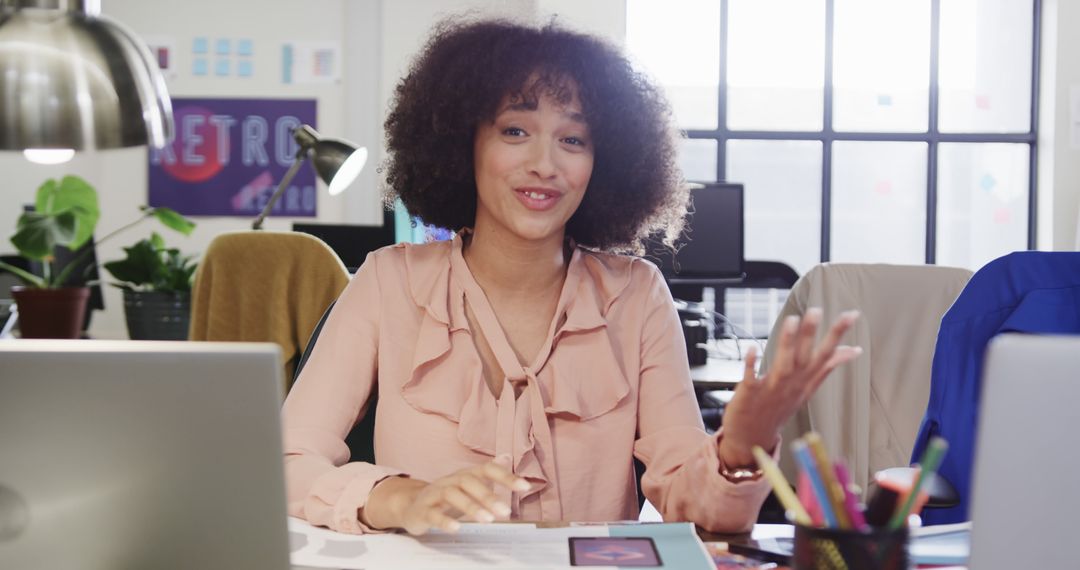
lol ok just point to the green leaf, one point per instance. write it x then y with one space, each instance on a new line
140 266
45 195
157 241
27 277
174 220
75 195
37 235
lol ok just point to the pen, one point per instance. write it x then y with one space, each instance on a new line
780 486
806 460
828 478
928 463
851 503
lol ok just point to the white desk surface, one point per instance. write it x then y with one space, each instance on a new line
724 368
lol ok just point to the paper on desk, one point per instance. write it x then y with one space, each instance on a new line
511 546
941 544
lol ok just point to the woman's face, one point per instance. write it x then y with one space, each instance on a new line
533 165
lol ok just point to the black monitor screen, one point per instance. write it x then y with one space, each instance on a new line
712 244
351 242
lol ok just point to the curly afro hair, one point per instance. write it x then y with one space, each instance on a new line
464 72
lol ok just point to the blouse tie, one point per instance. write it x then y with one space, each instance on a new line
525 436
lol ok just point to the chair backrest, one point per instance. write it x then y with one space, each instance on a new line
265 286
361 440
1027 292
868 411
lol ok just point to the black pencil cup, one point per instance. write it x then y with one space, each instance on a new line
835 549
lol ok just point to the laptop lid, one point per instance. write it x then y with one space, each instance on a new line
1025 499
120 454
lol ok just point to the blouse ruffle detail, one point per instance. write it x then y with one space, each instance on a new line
575 382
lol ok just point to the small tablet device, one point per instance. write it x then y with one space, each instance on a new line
778 550
622 551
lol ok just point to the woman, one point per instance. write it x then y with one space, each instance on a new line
521 367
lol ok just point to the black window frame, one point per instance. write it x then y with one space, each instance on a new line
932 137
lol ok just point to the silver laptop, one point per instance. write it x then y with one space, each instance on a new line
141 455
1026 493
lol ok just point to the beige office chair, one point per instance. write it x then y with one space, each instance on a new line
262 286
868 411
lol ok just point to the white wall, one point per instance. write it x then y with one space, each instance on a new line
379 37
121 175
1060 178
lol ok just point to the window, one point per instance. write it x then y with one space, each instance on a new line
894 131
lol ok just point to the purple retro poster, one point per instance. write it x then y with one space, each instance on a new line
228 156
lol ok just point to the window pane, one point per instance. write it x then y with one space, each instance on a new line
881 72
985 82
783 199
879 202
776 64
697 158
677 42
982 202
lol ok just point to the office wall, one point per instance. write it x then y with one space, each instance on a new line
121 175
378 37
1059 175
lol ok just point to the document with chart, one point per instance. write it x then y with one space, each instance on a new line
509 546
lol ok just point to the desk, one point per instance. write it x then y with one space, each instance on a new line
725 367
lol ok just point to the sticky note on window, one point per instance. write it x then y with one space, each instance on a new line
199 45
222 67
223 47
244 68
244 47
884 100
199 66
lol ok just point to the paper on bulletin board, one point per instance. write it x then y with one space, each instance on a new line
310 62
1074 117
163 49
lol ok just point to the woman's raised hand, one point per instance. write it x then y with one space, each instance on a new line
762 404
418 506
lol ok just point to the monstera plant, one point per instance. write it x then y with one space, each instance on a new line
52 302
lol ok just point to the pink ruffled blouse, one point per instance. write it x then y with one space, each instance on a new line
610 383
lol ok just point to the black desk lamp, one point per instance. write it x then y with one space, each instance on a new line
337 162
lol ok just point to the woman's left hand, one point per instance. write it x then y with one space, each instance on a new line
762 405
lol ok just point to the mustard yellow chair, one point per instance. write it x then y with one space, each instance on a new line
262 286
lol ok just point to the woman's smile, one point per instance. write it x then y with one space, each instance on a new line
538 199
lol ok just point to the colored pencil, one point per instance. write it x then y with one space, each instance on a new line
781 487
828 478
806 460
928 463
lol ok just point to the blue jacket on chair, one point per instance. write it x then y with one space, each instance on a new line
1029 292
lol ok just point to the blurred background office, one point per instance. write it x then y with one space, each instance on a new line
902 131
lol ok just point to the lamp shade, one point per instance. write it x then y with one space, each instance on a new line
338 163
70 78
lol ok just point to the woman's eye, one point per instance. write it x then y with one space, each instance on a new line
514 132
574 141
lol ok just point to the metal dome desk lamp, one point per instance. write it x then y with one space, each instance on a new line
337 162
74 80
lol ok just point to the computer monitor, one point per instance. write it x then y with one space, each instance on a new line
141 454
1024 500
351 242
711 247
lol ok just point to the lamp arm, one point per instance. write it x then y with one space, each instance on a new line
300 157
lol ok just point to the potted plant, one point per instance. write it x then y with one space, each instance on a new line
156 281
65 214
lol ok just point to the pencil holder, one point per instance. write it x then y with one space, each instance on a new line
835 549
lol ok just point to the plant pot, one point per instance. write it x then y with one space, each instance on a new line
157 315
51 313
